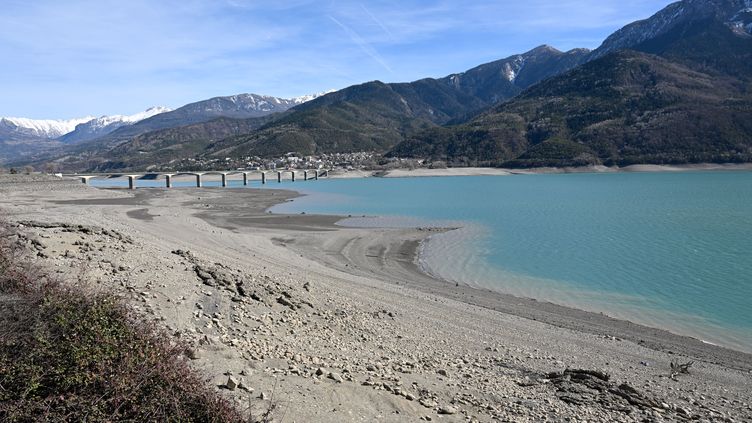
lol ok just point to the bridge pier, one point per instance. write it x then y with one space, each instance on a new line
293 175
279 177
263 178
315 175
245 178
198 180
85 179
224 180
305 175
132 181
168 180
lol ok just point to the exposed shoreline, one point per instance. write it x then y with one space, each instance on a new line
392 255
489 171
371 315
407 243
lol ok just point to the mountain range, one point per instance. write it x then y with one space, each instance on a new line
673 88
21 137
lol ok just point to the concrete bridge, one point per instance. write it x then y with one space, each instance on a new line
312 174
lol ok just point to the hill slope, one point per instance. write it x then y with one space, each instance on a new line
161 147
376 116
691 104
624 108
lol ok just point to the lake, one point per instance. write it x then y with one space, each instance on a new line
669 250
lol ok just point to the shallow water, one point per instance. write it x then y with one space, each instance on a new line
670 250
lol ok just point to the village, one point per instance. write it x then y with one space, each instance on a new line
346 161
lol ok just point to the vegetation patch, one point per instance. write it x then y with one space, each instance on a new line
70 354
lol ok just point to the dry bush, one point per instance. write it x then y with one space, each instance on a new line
67 354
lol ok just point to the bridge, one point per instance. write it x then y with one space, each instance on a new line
312 174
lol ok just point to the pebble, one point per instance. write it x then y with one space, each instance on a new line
447 409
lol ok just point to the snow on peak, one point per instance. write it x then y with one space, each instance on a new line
512 68
44 128
741 22
104 121
304 98
57 128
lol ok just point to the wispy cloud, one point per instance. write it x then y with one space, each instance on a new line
363 44
82 57
379 23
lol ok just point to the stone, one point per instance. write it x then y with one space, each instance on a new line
447 409
427 402
231 383
320 371
335 377
193 353
285 302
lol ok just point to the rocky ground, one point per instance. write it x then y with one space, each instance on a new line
288 338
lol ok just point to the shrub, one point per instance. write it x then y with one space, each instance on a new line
67 354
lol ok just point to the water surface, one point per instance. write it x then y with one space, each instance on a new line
670 250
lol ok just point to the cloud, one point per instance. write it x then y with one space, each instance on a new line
379 23
81 57
363 44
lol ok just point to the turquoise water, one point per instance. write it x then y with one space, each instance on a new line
671 250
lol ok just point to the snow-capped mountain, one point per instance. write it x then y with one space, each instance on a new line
103 125
305 98
70 130
38 128
737 14
238 106
244 105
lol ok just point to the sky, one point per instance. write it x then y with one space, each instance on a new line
71 58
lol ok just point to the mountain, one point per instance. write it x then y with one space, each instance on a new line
735 14
505 78
240 106
684 95
100 126
22 137
91 136
370 116
20 128
376 115
164 146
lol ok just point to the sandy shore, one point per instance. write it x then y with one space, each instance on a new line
487 171
338 324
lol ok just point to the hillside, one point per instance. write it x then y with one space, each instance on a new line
376 116
691 104
160 147
625 108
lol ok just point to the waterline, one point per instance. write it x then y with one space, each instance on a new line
665 250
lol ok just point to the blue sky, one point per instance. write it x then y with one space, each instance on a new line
69 58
